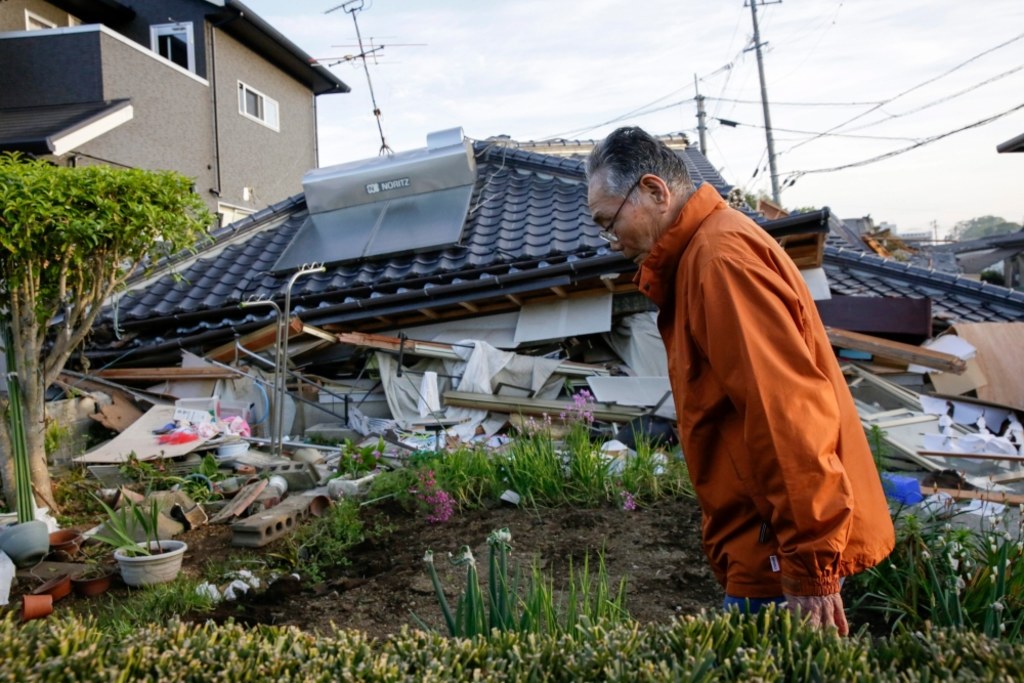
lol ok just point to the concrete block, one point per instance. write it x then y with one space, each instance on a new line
268 526
299 475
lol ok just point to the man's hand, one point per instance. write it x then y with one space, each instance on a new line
822 610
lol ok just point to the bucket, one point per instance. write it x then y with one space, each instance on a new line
233 449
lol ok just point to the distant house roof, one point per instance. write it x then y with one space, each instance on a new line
57 129
528 228
239 21
246 26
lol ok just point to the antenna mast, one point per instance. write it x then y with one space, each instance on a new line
351 7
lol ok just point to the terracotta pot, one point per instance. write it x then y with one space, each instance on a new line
36 606
64 544
319 505
58 587
94 585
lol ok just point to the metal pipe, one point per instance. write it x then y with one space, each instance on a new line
304 270
275 407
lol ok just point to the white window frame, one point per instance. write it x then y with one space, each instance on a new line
231 213
34 22
269 112
181 27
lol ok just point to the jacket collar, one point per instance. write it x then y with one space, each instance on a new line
656 275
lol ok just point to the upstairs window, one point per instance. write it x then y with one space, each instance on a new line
255 105
34 22
174 42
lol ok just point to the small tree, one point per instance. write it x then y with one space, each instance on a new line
69 238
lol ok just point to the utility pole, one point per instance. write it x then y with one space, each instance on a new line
764 101
700 117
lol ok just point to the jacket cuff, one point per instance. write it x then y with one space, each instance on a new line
822 585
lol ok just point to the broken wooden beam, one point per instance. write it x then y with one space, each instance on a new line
257 341
988 496
973 456
536 406
444 351
161 374
907 353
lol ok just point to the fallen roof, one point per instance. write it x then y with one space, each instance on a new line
528 229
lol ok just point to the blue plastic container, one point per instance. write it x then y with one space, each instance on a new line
901 488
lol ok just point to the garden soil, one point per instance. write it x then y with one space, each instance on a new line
656 549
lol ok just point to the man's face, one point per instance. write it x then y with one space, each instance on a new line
629 220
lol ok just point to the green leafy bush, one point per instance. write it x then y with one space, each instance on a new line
771 646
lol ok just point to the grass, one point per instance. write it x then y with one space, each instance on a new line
530 606
944 574
120 616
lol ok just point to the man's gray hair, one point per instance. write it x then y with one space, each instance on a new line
629 153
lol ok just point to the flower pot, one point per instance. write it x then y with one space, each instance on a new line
146 570
26 543
36 606
64 544
58 587
92 585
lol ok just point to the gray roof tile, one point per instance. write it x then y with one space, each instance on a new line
528 216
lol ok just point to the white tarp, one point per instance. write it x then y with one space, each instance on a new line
638 343
482 369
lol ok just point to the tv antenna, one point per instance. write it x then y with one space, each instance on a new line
351 7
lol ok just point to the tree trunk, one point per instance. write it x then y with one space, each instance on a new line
6 462
28 352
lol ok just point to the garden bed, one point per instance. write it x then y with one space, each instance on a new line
657 548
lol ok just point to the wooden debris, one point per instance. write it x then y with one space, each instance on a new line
242 500
989 496
907 353
257 341
972 456
164 374
537 406
446 352
118 415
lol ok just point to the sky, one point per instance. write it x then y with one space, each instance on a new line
878 76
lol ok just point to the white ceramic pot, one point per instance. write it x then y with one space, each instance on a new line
146 570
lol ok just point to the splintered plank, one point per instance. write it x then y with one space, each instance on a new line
907 353
161 374
257 341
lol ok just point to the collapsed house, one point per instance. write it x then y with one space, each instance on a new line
446 290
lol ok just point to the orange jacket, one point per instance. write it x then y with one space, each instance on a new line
791 497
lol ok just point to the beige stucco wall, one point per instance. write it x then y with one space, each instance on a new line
12 14
252 155
171 127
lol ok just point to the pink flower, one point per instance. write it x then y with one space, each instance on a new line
439 503
628 502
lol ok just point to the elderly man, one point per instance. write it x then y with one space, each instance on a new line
791 497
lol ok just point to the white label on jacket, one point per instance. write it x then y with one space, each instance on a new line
775 562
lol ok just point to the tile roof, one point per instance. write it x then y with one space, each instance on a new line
35 130
528 227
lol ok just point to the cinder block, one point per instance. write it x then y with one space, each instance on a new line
300 476
271 524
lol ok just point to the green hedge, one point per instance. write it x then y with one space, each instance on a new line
715 647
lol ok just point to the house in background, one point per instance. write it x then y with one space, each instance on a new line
203 87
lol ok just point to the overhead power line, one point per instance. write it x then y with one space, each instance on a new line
911 89
799 104
795 175
732 124
941 100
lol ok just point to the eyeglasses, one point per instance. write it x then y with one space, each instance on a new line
608 233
